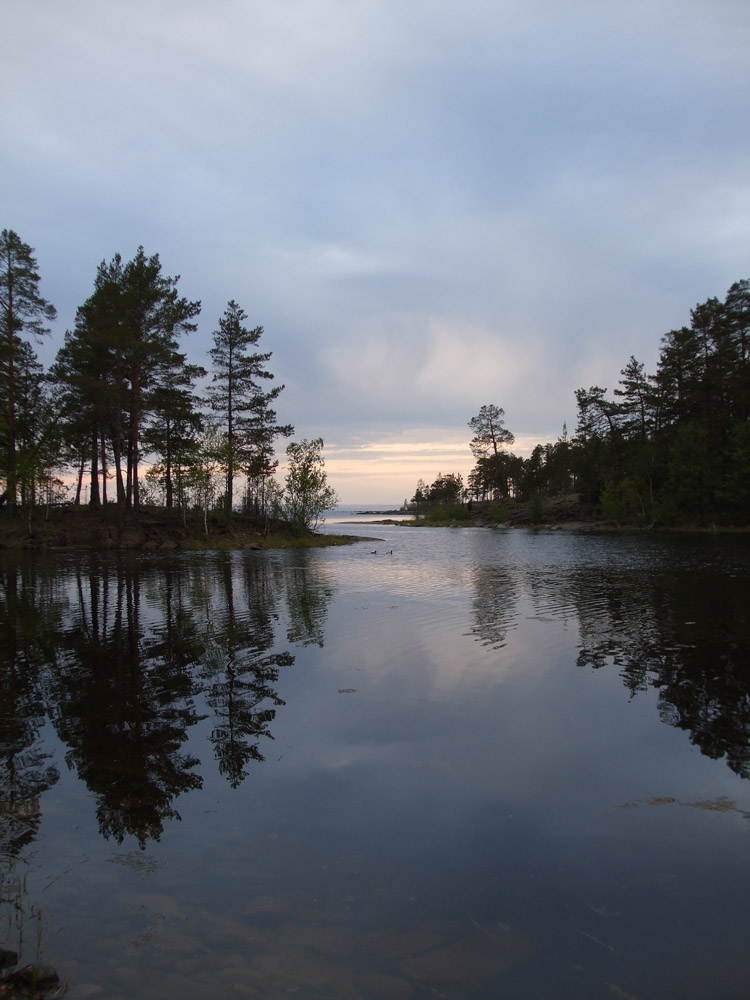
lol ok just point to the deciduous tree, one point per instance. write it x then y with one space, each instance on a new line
306 491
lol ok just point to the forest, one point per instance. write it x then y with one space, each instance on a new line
663 449
121 389
668 448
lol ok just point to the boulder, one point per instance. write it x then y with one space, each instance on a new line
34 977
131 538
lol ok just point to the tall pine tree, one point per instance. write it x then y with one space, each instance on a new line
236 394
22 310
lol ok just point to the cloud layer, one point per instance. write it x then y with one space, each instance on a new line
428 207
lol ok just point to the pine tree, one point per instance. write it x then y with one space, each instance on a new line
22 310
121 361
248 421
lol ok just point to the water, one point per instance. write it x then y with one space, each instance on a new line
446 763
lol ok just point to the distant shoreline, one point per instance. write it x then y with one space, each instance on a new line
400 510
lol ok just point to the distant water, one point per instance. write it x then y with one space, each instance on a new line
361 513
457 763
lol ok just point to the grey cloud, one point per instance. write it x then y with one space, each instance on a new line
561 182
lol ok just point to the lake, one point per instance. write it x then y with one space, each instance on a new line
448 763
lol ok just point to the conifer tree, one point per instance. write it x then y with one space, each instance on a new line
247 419
22 310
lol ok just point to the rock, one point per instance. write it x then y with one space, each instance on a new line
7 958
131 538
383 987
473 960
104 539
88 991
34 977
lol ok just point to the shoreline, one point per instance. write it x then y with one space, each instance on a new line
599 526
158 531
151 530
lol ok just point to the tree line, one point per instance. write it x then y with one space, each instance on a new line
669 447
121 389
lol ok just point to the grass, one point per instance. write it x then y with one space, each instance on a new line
275 540
79 527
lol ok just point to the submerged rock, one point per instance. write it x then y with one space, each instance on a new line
36 977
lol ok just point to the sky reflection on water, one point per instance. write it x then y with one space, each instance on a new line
484 763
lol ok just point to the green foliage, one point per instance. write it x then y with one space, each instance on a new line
447 514
735 491
22 310
536 509
692 471
667 448
248 422
202 477
497 513
120 368
672 447
611 502
306 493
490 433
497 472
445 490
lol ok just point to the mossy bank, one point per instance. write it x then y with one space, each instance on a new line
150 530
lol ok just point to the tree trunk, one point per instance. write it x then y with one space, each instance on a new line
10 479
117 452
135 416
168 467
81 470
104 469
94 499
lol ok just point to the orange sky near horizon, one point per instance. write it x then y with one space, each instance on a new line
387 472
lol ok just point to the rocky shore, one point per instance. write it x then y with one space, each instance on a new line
28 981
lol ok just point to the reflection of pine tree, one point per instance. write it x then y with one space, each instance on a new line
177 641
121 654
262 580
494 604
704 683
616 620
308 595
28 615
238 676
123 714
237 696
685 635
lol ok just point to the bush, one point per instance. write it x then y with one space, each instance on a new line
447 513
536 509
497 513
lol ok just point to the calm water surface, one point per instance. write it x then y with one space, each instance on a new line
448 763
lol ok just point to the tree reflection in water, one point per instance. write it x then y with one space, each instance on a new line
124 656
688 636
29 611
494 604
685 634
122 713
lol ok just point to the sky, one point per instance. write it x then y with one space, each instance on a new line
428 206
